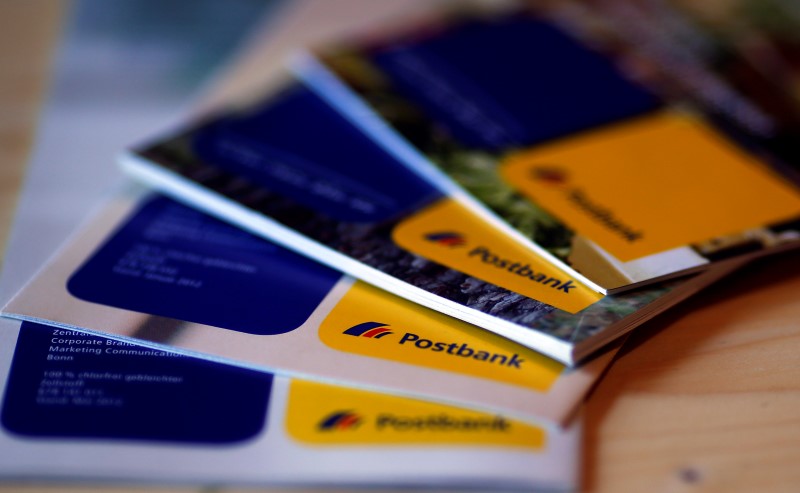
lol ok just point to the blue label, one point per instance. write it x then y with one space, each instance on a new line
511 82
298 146
72 385
171 261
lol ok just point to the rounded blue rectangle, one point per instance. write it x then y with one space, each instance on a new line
510 82
65 384
172 261
298 146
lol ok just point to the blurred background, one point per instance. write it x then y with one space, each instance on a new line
80 80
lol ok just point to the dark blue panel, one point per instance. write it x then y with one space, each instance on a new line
511 82
298 146
137 394
172 261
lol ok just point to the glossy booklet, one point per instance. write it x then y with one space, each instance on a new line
152 271
292 169
589 149
121 412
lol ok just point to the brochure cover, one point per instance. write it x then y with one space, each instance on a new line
152 271
588 152
124 412
292 169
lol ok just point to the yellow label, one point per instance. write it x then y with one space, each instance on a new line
327 415
451 234
371 322
648 185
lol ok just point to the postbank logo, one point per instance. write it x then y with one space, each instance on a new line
447 238
490 255
391 420
426 338
650 184
554 177
551 175
462 350
370 330
340 420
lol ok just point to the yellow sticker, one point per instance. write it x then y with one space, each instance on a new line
451 234
651 184
326 415
371 322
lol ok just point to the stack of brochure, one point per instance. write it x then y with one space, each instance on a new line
405 267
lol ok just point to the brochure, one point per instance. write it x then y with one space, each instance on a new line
551 124
292 169
129 413
155 272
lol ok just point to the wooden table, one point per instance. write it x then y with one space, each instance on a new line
705 398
